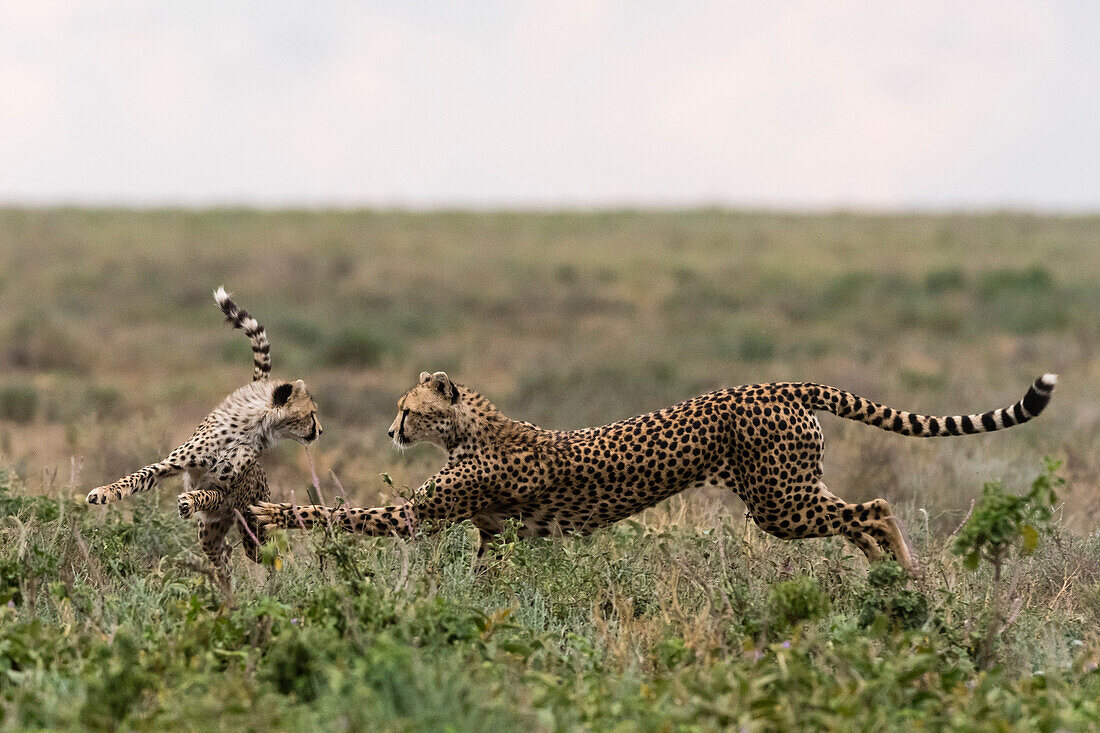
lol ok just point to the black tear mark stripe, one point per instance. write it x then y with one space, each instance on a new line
839 402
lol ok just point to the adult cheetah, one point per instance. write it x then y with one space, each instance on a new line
761 441
221 477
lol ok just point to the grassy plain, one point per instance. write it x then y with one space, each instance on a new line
111 351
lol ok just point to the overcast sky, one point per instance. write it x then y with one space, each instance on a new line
799 103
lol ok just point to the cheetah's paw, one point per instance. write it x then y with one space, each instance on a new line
102 495
186 506
268 515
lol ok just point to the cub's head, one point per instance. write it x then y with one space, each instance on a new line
426 412
294 413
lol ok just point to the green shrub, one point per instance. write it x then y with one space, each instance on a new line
301 332
1030 281
295 662
922 381
36 341
847 288
21 504
106 402
1001 520
18 403
792 602
357 347
116 683
672 652
756 347
998 522
886 596
948 279
1025 314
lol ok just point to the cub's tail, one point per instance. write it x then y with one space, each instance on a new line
853 407
261 347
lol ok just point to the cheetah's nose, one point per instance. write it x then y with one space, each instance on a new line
390 432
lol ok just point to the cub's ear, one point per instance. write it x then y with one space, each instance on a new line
281 394
424 377
300 388
442 384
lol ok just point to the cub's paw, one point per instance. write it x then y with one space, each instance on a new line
186 505
102 495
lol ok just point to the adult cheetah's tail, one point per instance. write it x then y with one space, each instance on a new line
846 404
261 347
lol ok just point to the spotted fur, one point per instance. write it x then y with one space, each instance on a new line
221 475
761 441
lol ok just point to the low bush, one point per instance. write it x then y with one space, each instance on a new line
18 403
108 622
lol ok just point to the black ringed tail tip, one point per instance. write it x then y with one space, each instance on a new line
1038 395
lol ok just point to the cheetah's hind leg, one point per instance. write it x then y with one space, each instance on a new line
875 520
212 532
870 526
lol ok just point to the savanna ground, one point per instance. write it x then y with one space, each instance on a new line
112 350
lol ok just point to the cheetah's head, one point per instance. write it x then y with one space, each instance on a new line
426 412
294 413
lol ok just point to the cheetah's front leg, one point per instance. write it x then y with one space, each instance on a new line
142 480
448 497
200 500
188 456
376 521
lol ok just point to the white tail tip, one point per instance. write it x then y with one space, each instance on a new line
1050 379
220 295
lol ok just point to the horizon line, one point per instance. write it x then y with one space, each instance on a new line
565 206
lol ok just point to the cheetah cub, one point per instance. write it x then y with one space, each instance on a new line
221 475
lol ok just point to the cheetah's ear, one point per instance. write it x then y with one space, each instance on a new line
281 394
442 384
299 388
424 377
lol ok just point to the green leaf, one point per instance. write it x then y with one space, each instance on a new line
972 560
1031 538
